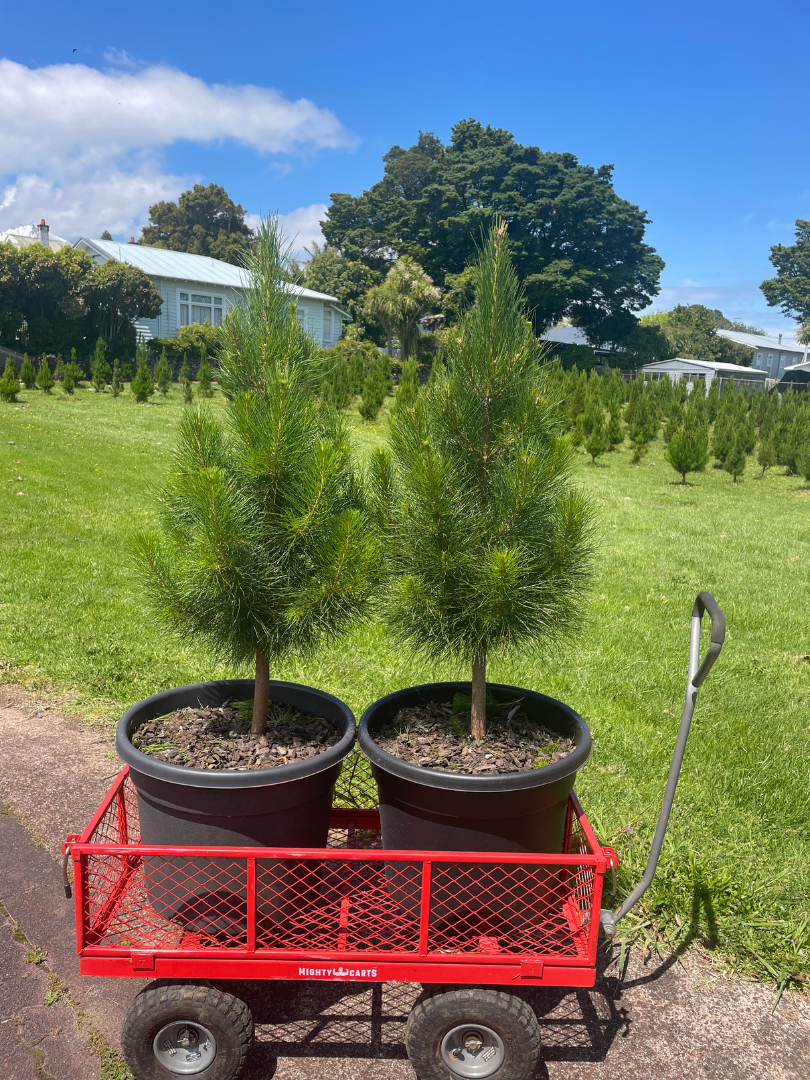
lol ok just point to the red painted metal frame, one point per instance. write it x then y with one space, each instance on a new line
417 965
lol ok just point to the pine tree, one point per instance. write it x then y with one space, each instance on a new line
68 382
335 384
28 375
262 550
688 447
163 373
408 388
44 380
643 424
100 370
204 375
487 538
376 387
142 386
766 455
615 429
9 384
115 384
75 370
185 382
736 458
597 441
126 371
59 370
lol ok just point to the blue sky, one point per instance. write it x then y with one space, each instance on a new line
701 107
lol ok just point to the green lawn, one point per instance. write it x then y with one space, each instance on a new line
735 871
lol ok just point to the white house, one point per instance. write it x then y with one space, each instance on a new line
768 354
196 289
24 236
705 371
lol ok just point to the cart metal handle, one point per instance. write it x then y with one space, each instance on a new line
696 674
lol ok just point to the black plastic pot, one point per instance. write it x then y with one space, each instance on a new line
426 810
284 806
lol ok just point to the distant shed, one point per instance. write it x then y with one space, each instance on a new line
706 371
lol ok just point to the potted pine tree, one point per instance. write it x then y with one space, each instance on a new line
262 552
488 544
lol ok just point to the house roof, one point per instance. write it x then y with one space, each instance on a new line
182 266
760 341
683 364
24 236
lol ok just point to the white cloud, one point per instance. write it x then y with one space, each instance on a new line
51 112
84 148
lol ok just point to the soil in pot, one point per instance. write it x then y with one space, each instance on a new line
436 735
219 737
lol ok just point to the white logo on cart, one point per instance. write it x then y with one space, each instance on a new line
337 973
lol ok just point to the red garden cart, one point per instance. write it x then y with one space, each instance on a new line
484 924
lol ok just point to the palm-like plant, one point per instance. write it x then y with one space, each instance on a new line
262 549
401 301
488 540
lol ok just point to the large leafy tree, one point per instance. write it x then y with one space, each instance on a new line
790 289
203 221
577 247
690 331
329 271
115 295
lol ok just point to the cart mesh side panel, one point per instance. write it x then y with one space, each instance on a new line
350 899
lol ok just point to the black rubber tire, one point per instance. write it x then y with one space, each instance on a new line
509 1016
225 1016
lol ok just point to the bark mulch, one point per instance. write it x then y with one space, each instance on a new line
437 736
219 738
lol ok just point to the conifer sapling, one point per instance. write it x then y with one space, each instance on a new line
487 538
163 373
263 550
9 383
204 375
28 375
115 383
44 380
142 386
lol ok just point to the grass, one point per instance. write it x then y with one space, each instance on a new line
735 873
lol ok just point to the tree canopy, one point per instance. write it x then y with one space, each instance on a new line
790 289
53 301
203 221
690 331
577 247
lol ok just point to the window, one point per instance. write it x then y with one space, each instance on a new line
301 315
203 309
327 326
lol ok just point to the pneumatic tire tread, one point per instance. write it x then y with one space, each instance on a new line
435 1015
226 1016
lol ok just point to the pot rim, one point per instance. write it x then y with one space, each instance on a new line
158 704
434 778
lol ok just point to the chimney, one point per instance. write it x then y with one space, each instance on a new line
43 232
780 339
132 239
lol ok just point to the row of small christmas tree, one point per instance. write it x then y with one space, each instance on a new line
103 374
602 410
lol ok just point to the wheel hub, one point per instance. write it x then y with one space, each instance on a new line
472 1051
184 1047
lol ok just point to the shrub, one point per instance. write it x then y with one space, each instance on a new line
28 375
142 386
100 370
163 374
204 376
44 380
9 384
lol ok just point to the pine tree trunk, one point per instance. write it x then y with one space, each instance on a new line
478 715
261 695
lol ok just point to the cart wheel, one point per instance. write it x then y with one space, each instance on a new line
180 1029
472 1034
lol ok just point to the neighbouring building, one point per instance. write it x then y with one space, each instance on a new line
705 371
768 354
561 337
24 236
197 289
